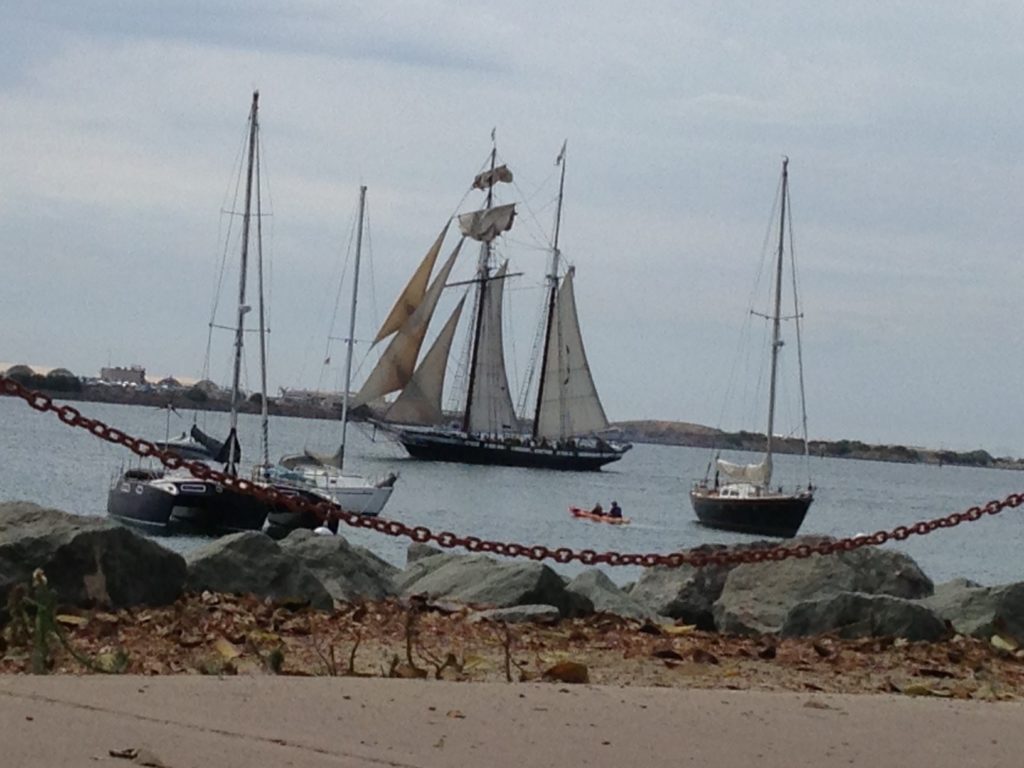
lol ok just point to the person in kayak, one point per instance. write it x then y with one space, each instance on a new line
597 510
615 511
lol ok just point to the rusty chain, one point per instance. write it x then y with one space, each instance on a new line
326 511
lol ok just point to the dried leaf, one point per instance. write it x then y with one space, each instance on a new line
70 620
455 714
679 629
226 649
408 672
920 689
568 672
667 653
935 672
704 657
1004 643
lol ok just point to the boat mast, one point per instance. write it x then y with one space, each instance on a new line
232 466
350 342
777 314
264 413
552 291
481 276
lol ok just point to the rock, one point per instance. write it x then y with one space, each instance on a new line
980 611
251 563
853 614
422 559
418 551
685 593
348 573
87 560
594 585
517 614
480 580
757 597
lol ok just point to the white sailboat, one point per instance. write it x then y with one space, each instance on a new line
746 501
353 493
568 417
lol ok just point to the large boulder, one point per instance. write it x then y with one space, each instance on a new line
252 563
606 596
348 573
853 614
481 580
422 559
757 597
87 560
685 593
980 611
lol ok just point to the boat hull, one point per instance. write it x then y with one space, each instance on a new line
454 448
776 515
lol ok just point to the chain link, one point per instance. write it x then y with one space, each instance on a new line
326 511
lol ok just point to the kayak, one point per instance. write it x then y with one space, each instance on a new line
586 514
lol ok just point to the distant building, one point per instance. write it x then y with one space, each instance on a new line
135 374
311 397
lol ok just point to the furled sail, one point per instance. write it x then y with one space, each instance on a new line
414 291
490 411
420 400
569 404
491 177
485 225
758 474
395 367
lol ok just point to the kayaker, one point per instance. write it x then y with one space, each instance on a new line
597 510
615 511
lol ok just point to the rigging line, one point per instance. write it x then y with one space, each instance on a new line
799 345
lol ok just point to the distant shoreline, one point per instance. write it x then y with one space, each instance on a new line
642 431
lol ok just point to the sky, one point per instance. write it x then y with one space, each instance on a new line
121 127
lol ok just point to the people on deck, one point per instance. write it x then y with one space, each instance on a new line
615 511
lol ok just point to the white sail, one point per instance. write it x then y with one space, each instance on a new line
414 292
757 474
420 401
490 411
569 403
485 225
491 177
395 367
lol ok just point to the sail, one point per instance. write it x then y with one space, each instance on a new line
758 474
569 403
492 177
414 291
490 411
485 225
420 400
395 367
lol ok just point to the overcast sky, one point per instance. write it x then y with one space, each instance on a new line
121 126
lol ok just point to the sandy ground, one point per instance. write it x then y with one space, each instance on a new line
269 721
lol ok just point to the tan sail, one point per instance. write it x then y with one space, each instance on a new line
489 178
756 474
491 410
420 401
414 291
486 224
396 365
569 405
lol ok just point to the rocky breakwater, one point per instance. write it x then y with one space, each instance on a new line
870 592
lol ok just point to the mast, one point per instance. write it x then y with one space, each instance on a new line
552 291
350 342
481 274
776 315
264 413
232 464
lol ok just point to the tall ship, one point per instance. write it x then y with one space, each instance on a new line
566 427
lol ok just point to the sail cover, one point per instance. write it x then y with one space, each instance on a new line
490 411
569 403
487 224
395 367
492 177
758 474
414 291
420 400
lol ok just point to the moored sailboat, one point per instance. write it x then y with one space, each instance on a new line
568 418
746 501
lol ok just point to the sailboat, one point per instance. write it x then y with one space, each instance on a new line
325 472
568 417
746 501
171 501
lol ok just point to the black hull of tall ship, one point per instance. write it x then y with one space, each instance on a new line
470 450
775 515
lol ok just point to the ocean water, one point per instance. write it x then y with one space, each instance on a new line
44 461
